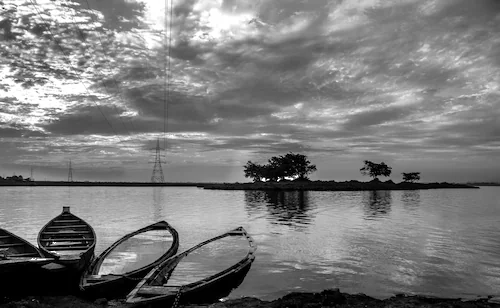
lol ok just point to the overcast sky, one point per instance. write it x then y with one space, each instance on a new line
412 83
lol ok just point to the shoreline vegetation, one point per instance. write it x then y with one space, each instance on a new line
324 299
296 185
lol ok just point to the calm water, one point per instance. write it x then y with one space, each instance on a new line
436 242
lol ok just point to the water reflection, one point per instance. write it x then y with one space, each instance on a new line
410 198
377 203
158 203
291 208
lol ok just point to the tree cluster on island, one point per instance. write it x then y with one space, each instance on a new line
374 170
289 166
297 166
16 178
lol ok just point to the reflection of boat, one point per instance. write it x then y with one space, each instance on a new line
116 284
68 238
185 278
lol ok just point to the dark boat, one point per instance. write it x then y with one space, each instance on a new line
18 260
17 254
69 239
97 282
202 274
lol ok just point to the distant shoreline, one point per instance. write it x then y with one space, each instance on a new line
277 186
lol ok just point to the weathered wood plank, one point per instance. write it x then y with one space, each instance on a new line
157 290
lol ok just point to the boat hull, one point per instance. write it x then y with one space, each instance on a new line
158 289
206 294
20 265
71 241
120 285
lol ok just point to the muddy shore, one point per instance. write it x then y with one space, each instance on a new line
327 298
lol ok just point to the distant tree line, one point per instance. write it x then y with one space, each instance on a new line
15 178
289 166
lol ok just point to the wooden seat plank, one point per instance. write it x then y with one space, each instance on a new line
157 290
30 254
67 226
11 245
67 221
63 239
67 248
67 232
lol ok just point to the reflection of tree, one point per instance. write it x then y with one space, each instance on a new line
377 202
285 207
410 198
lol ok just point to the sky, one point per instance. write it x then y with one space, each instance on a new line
412 83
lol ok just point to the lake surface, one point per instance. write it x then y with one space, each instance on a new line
434 242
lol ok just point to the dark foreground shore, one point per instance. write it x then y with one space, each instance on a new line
333 186
327 298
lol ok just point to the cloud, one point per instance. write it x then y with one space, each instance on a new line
375 117
393 78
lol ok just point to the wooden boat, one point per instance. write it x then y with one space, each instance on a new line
20 265
18 255
118 283
183 277
69 239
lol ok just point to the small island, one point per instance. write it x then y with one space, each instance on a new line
332 186
290 173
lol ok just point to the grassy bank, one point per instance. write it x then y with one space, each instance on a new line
327 298
333 186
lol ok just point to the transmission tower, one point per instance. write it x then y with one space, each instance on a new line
157 176
70 172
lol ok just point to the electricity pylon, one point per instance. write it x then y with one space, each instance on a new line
70 172
157 176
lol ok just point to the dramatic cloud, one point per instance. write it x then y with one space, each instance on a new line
413 83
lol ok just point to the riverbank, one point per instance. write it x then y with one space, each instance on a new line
333 186
327 298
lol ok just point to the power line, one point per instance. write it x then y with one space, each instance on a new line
102 75
168 74
114 79
69 62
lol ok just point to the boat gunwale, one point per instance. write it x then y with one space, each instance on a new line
46 251
172 262
97 262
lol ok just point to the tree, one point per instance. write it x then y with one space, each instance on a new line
411 177
254 171
291 165
374 170
278 168
300 166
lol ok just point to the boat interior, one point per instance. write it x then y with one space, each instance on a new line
214 258
12 246
67 235
132 254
